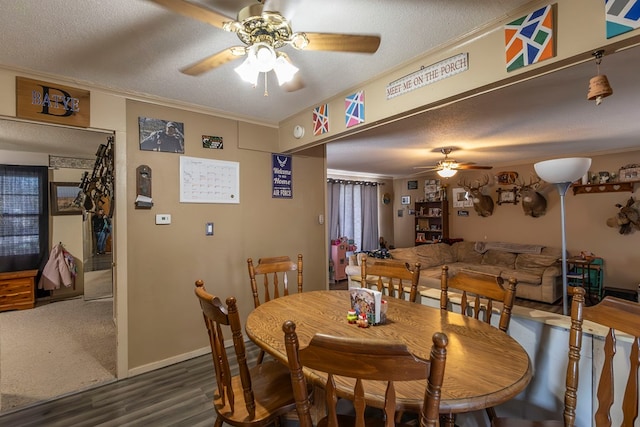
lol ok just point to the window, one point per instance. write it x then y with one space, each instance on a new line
24 219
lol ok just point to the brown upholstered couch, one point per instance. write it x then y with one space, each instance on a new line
536 268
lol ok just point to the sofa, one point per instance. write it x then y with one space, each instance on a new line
536 268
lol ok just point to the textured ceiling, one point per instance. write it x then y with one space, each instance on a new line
137 47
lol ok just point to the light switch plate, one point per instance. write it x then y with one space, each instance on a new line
209 229
163 219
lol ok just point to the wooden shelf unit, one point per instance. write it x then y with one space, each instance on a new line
432 221
611 187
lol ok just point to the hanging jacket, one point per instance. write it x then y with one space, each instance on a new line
59 270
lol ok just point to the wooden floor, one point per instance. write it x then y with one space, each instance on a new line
178 395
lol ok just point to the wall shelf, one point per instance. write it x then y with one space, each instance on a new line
612 187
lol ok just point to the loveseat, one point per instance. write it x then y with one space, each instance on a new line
535 267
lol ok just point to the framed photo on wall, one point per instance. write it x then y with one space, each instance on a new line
460 198
405 200
161 135
63 195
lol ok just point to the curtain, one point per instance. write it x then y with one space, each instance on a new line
24 217
353 212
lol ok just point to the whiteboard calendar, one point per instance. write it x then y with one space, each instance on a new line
209 181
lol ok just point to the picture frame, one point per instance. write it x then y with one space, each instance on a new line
62 195
435 212
412 185
507 196
460 198
506 177
405 200
161 135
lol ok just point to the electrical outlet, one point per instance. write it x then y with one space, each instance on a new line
163 219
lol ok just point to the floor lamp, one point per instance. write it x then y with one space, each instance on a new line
562 172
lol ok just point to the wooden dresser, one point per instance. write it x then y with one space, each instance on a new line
17 290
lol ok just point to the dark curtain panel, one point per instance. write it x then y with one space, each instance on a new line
24 217
353 212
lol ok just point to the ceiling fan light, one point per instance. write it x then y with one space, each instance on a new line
447 173
247 71
284 70
265 57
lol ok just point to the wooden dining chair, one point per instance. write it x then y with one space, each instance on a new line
274 272
255 397
616 315
363 359
479 292
391 277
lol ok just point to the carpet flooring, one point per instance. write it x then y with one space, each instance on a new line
55 349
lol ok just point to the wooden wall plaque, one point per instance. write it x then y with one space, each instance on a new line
51 102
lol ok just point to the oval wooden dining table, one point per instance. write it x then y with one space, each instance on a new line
485 366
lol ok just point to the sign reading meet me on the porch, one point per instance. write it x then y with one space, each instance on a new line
427 75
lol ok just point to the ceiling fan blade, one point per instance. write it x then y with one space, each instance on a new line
473 167
433 168
192 10
342 42
213 61
295 84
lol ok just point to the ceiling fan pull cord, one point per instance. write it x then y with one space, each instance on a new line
266 90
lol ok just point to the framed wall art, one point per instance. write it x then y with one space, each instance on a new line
405 200
507 196
460 198
63 195
161 135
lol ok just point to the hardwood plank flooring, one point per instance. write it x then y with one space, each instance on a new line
177 395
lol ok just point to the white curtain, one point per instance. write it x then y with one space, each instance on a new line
353 212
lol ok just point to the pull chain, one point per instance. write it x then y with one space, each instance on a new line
266 90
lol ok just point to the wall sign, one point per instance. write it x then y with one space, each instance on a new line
51 102
427 75
282 180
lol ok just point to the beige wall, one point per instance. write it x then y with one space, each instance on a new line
156 266
165 260
586 216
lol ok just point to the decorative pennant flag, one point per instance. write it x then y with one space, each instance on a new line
530 39
354 109
622 16
321 119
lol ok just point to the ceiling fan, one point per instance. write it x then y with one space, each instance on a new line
263 32
448 167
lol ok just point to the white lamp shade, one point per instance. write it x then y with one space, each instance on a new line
562 170
265 57
284 70
247 72
446 172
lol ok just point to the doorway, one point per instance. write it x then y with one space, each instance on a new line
67 343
